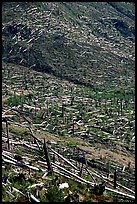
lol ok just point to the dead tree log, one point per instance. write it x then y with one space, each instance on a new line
115 178
63 158
7 129
47 157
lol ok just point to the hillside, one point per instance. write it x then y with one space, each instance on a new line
80 41
95 135
68 102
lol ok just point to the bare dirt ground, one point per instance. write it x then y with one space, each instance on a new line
119 156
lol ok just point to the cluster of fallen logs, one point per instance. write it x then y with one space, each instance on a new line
49 161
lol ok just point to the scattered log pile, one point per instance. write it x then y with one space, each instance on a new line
48 158
57 38
72 43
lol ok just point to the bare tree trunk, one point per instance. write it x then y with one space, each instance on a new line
62 114
73 128
121 106
47 108
47 158
115 177
7 133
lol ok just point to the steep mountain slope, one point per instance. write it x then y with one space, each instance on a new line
89 124
75 121
91 43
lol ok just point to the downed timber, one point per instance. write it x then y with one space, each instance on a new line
3 114
14 160
43 163
74 175
120 193
45 174
62 174
18 191
32 167
20 164
100 165
34 135
37 144
34 148
90 173
18 124
14 109
110 181
94 173
33 198
64 159
14 189
6 111
29 107
9 161
122 197
7 116
124 187
12 141
36 185
92 184
67 176
7 152
10 194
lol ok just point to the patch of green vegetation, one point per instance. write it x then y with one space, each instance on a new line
15 100
20 131
69 11
4 192
71 143
53 195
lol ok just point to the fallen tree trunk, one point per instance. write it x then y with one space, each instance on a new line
120 193
34 135
74 175
20 164
33 198
64 159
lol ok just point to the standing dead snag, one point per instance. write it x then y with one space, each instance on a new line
62 111
108 170
115 177
129 163
7 129
121 106
35 107
72 100
47 108
81 168
50 170
73 126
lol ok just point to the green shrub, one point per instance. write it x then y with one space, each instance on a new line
53 195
